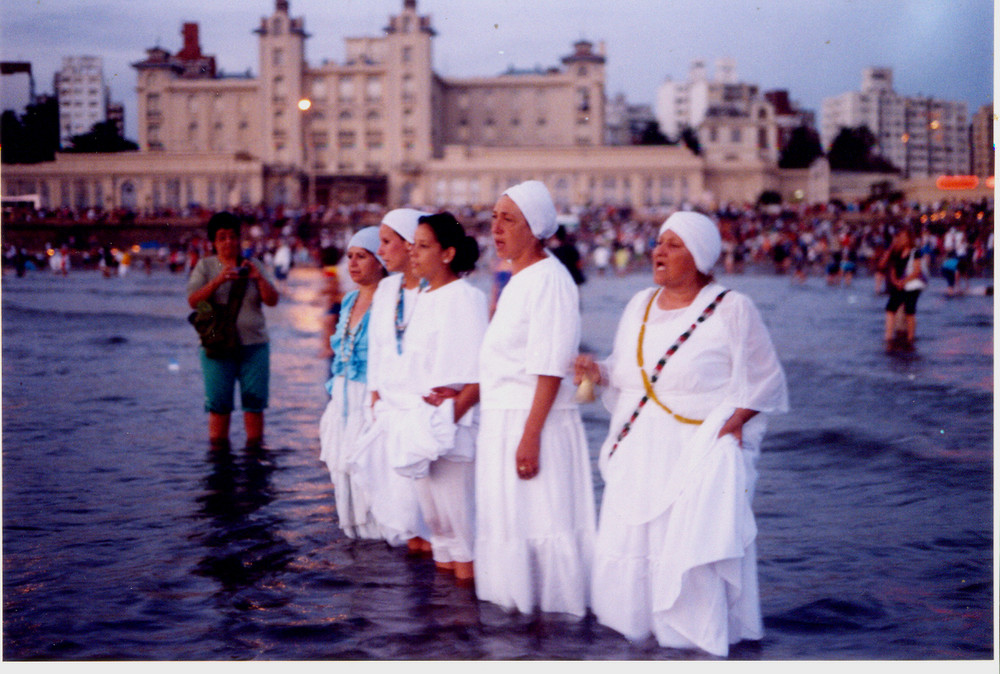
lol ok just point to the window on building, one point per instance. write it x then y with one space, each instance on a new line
373 88
346 88
346 139
277 57
735 135
407 54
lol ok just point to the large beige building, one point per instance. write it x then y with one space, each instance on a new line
383 126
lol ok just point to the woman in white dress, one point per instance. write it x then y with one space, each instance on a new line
434 441
691 374
349 409
392 496
534 493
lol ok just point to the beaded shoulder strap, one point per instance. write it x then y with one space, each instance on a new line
648 381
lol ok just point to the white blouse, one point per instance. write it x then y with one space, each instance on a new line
534 331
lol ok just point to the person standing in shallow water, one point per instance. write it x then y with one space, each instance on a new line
534 492
212 279
675 555
436 439
393 497
348 409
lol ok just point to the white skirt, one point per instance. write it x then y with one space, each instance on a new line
534 538
447 503
338 436
689 575
393 497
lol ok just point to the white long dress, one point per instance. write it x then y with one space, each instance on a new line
534 538
675 554
440 348
346 414
393 497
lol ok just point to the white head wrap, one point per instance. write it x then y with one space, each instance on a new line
535 202
403 221
367 238
700 237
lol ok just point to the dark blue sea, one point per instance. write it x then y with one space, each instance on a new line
124 538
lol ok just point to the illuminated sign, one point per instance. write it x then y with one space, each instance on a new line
957 182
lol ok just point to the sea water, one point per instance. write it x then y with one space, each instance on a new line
124 537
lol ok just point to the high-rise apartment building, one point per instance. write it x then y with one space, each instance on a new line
732 120
83 96
983 151
681 105
921 136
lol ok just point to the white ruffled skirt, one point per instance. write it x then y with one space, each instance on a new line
689 575
534 538
338 437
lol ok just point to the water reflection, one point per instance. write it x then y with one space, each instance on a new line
241 548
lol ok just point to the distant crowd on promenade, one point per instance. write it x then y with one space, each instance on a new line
837 242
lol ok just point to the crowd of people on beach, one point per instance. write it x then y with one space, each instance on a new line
835 241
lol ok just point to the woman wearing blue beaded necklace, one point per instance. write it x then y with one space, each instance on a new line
394 500
348 409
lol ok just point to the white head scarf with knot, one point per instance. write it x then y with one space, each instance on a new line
700 237
367 238
403 221
533 199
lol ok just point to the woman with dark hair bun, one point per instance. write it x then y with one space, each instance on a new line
449 233
433 439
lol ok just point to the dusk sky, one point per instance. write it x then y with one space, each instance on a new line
812 48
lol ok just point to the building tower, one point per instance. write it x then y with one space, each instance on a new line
587 66
282 67
409 90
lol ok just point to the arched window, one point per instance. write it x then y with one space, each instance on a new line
128 198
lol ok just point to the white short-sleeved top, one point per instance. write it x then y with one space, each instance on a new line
534 331
442 341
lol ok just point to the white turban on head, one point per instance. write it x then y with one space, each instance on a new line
700 237
367 238
403 221
535 202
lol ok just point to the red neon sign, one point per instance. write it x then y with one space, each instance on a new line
957 182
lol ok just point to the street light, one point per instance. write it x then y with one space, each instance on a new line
304 106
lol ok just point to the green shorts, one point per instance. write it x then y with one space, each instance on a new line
252 370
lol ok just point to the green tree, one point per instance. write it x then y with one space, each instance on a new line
802 149
103 137
853 150
651 135
33 137
690 138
